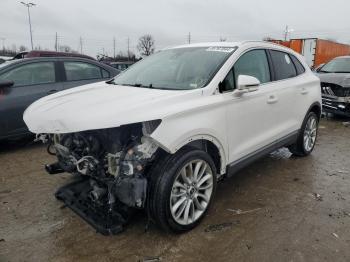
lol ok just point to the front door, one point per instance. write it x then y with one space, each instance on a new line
31 82
251 117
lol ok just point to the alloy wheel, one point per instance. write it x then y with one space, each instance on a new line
191 192
310 133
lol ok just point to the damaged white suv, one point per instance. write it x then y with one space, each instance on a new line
160 135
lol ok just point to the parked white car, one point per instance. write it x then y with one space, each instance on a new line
160 135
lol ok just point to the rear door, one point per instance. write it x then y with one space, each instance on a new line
32 81
77 73
288 84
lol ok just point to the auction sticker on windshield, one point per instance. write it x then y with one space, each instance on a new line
220 49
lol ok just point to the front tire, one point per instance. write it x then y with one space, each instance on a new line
307 136
182 187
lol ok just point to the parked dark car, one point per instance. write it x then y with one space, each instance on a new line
335 86
26 80
42 53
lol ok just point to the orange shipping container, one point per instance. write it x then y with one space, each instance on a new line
316 51
327 50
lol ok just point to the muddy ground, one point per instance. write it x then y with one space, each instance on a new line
279 209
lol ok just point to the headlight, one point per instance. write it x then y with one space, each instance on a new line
346 82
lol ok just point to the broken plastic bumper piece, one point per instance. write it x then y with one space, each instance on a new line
105 220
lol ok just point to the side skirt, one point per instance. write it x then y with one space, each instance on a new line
237 165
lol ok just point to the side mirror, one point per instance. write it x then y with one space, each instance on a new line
246 84
6 84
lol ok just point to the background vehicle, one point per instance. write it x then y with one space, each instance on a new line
26 80
335 85
4 59
172 125
121 65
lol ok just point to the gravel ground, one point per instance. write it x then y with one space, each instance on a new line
280 208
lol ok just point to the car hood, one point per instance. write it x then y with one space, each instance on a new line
102 105
342 79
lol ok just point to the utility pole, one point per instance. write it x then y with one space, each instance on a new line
29 5
286 32
114 47
128 49
81 45
56 43
189 38
3 43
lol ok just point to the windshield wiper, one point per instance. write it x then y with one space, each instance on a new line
144 86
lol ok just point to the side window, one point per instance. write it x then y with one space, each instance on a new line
300 68
31 74
253 63
81 71
284 67
105 73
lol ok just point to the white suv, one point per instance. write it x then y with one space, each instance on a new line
161 134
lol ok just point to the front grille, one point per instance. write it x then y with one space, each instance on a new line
334 90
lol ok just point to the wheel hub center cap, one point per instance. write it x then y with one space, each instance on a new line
191 191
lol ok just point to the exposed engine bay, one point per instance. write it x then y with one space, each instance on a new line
110 165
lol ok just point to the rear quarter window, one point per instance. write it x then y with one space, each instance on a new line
283 65
299 67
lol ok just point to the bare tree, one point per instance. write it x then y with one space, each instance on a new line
146 45
22 48
67 49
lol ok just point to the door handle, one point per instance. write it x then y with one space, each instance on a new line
304 91
52 91
272 99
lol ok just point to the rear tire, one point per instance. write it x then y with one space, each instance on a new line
307 136
177 200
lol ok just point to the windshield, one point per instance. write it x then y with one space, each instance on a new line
340 65
176 69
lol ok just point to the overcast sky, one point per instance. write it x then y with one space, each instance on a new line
169 21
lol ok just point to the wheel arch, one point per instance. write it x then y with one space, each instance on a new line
316 108
210 145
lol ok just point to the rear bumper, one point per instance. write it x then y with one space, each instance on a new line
336 105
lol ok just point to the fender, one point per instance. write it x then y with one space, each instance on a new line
210 138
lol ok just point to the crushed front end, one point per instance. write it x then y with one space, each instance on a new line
335 99
110 167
